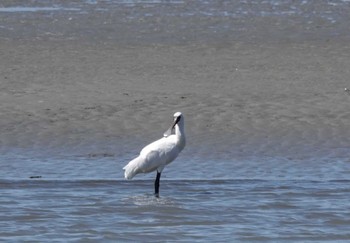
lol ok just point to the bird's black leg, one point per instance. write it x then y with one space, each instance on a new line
156 185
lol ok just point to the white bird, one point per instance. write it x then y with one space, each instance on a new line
347 91
158 154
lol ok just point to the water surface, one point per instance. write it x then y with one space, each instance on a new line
176 22
188 210
80 199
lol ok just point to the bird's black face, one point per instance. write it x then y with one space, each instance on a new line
177 119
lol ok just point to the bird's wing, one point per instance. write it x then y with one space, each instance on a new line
156 154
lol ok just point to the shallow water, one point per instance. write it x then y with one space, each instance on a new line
86 199
188 210
175 22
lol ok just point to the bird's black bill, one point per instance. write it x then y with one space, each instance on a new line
171 128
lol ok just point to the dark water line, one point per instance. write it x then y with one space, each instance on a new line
4 182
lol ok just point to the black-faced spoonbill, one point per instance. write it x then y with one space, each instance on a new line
158 154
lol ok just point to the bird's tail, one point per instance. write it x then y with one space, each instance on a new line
131 169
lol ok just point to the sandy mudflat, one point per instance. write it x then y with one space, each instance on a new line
238 99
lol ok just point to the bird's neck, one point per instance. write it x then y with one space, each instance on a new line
180 135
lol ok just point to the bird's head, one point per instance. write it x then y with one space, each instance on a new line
178 118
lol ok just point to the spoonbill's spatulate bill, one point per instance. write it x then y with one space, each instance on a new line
155 156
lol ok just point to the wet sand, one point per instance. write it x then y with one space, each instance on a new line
105 77
239 99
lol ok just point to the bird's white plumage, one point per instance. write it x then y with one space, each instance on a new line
158 154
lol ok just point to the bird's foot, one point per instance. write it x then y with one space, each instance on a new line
156 195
